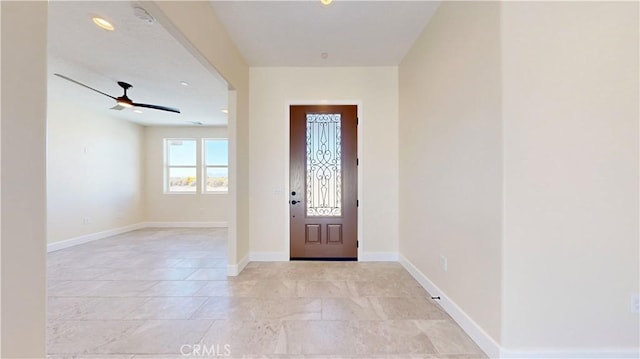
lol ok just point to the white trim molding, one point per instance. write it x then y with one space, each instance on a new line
185 224
571 354
490 346
268 257
55 246
378 257
484 340
86 238
235 269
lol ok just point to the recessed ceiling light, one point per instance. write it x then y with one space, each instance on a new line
137 111
103 23
224 110
326 2
184 83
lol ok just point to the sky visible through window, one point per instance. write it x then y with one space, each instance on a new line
183 153
216 154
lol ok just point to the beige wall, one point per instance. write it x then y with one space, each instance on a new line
24 27
522 143
0 188
94 171
23 212
197 26
570 77
570 114
110 171
451 157
375 90
191 207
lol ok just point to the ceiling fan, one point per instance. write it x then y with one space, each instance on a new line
123 101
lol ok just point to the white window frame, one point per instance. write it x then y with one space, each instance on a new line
167 167
205 167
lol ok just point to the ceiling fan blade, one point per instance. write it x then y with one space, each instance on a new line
83 85
117 108
156 107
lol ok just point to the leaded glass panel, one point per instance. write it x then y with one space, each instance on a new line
324 165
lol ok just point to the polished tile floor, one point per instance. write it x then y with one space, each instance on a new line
164 293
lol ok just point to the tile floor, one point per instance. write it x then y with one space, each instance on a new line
164 293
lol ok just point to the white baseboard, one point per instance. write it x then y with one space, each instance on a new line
185 224
362 257
268 257
92 237
378 257
571 354
490 346
235 269
115 231
484 340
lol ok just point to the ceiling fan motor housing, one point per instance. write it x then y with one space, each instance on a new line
124 100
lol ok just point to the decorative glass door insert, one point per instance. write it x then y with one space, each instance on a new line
324 165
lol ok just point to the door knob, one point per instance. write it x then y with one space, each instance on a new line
294 201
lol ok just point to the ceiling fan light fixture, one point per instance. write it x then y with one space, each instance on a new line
102 23
124 102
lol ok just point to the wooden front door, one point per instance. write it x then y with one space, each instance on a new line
323 182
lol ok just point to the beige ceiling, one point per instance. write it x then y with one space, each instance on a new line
352 33
142 54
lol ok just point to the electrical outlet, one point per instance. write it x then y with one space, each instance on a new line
635 303
86 220
443 263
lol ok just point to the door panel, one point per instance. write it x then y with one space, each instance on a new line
323 182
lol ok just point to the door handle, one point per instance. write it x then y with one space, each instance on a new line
294 202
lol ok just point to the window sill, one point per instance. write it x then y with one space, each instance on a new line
193 193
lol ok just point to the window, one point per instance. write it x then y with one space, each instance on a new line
181 165
216 165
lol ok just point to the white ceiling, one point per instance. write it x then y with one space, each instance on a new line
144 55
268 33
352 33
